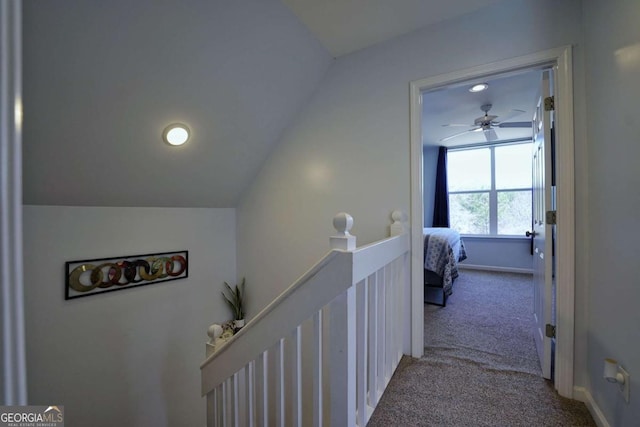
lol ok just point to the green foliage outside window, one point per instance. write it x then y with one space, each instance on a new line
490 189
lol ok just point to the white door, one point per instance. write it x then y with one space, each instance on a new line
542 230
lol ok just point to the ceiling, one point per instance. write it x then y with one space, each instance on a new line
456 105
103 79
348 25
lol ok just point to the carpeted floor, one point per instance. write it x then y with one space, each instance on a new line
480 366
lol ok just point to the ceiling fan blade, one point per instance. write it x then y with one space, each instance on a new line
457 134
511 114
515 125
448 125
490 135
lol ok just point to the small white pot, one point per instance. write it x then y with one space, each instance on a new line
238 323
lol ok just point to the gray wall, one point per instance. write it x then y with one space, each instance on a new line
349 148
126 358
612 71
500 254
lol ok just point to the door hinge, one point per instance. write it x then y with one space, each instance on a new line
549 103
550 330
551 217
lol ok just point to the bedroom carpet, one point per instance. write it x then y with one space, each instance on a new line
480 366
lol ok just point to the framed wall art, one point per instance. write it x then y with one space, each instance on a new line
96 276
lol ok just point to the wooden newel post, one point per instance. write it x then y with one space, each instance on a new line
398 226
342 337
343 222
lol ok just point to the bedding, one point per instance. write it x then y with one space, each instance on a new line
443 249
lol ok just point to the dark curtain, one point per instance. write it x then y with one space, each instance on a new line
441 203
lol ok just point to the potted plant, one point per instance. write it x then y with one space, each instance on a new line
235 300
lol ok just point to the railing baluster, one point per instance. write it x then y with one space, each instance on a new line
362 291
212 413
400 291
225 399
296 376
221 404
382 323
395 292
391 324
317 361
236 400
280 414
263 388
389 350
219 407
373 340
251 393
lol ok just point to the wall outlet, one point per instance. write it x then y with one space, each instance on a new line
624 388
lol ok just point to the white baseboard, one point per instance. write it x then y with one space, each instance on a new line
495 268
583 395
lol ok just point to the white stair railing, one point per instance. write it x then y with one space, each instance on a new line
323 352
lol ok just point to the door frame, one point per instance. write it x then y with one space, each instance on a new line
561 58
14 362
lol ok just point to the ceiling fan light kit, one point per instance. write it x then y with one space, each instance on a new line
488 123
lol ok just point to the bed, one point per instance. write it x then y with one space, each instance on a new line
443 249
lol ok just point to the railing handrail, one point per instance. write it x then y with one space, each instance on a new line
367 259
337 271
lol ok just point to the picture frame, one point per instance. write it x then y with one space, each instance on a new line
100 275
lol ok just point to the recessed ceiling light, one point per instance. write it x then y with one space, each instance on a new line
479 87
176 134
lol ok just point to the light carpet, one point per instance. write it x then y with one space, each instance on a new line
480 366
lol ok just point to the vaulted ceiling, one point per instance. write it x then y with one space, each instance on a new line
349 25
103 79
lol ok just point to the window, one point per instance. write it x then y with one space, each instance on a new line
490 189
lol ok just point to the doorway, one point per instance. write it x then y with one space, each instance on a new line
490 192
564 295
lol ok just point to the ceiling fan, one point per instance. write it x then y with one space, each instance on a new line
488 123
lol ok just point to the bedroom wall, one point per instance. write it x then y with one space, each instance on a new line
348 150
498 254
612 38
129 357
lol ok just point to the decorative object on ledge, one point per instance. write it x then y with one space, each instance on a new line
235 300
218 336
96 276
